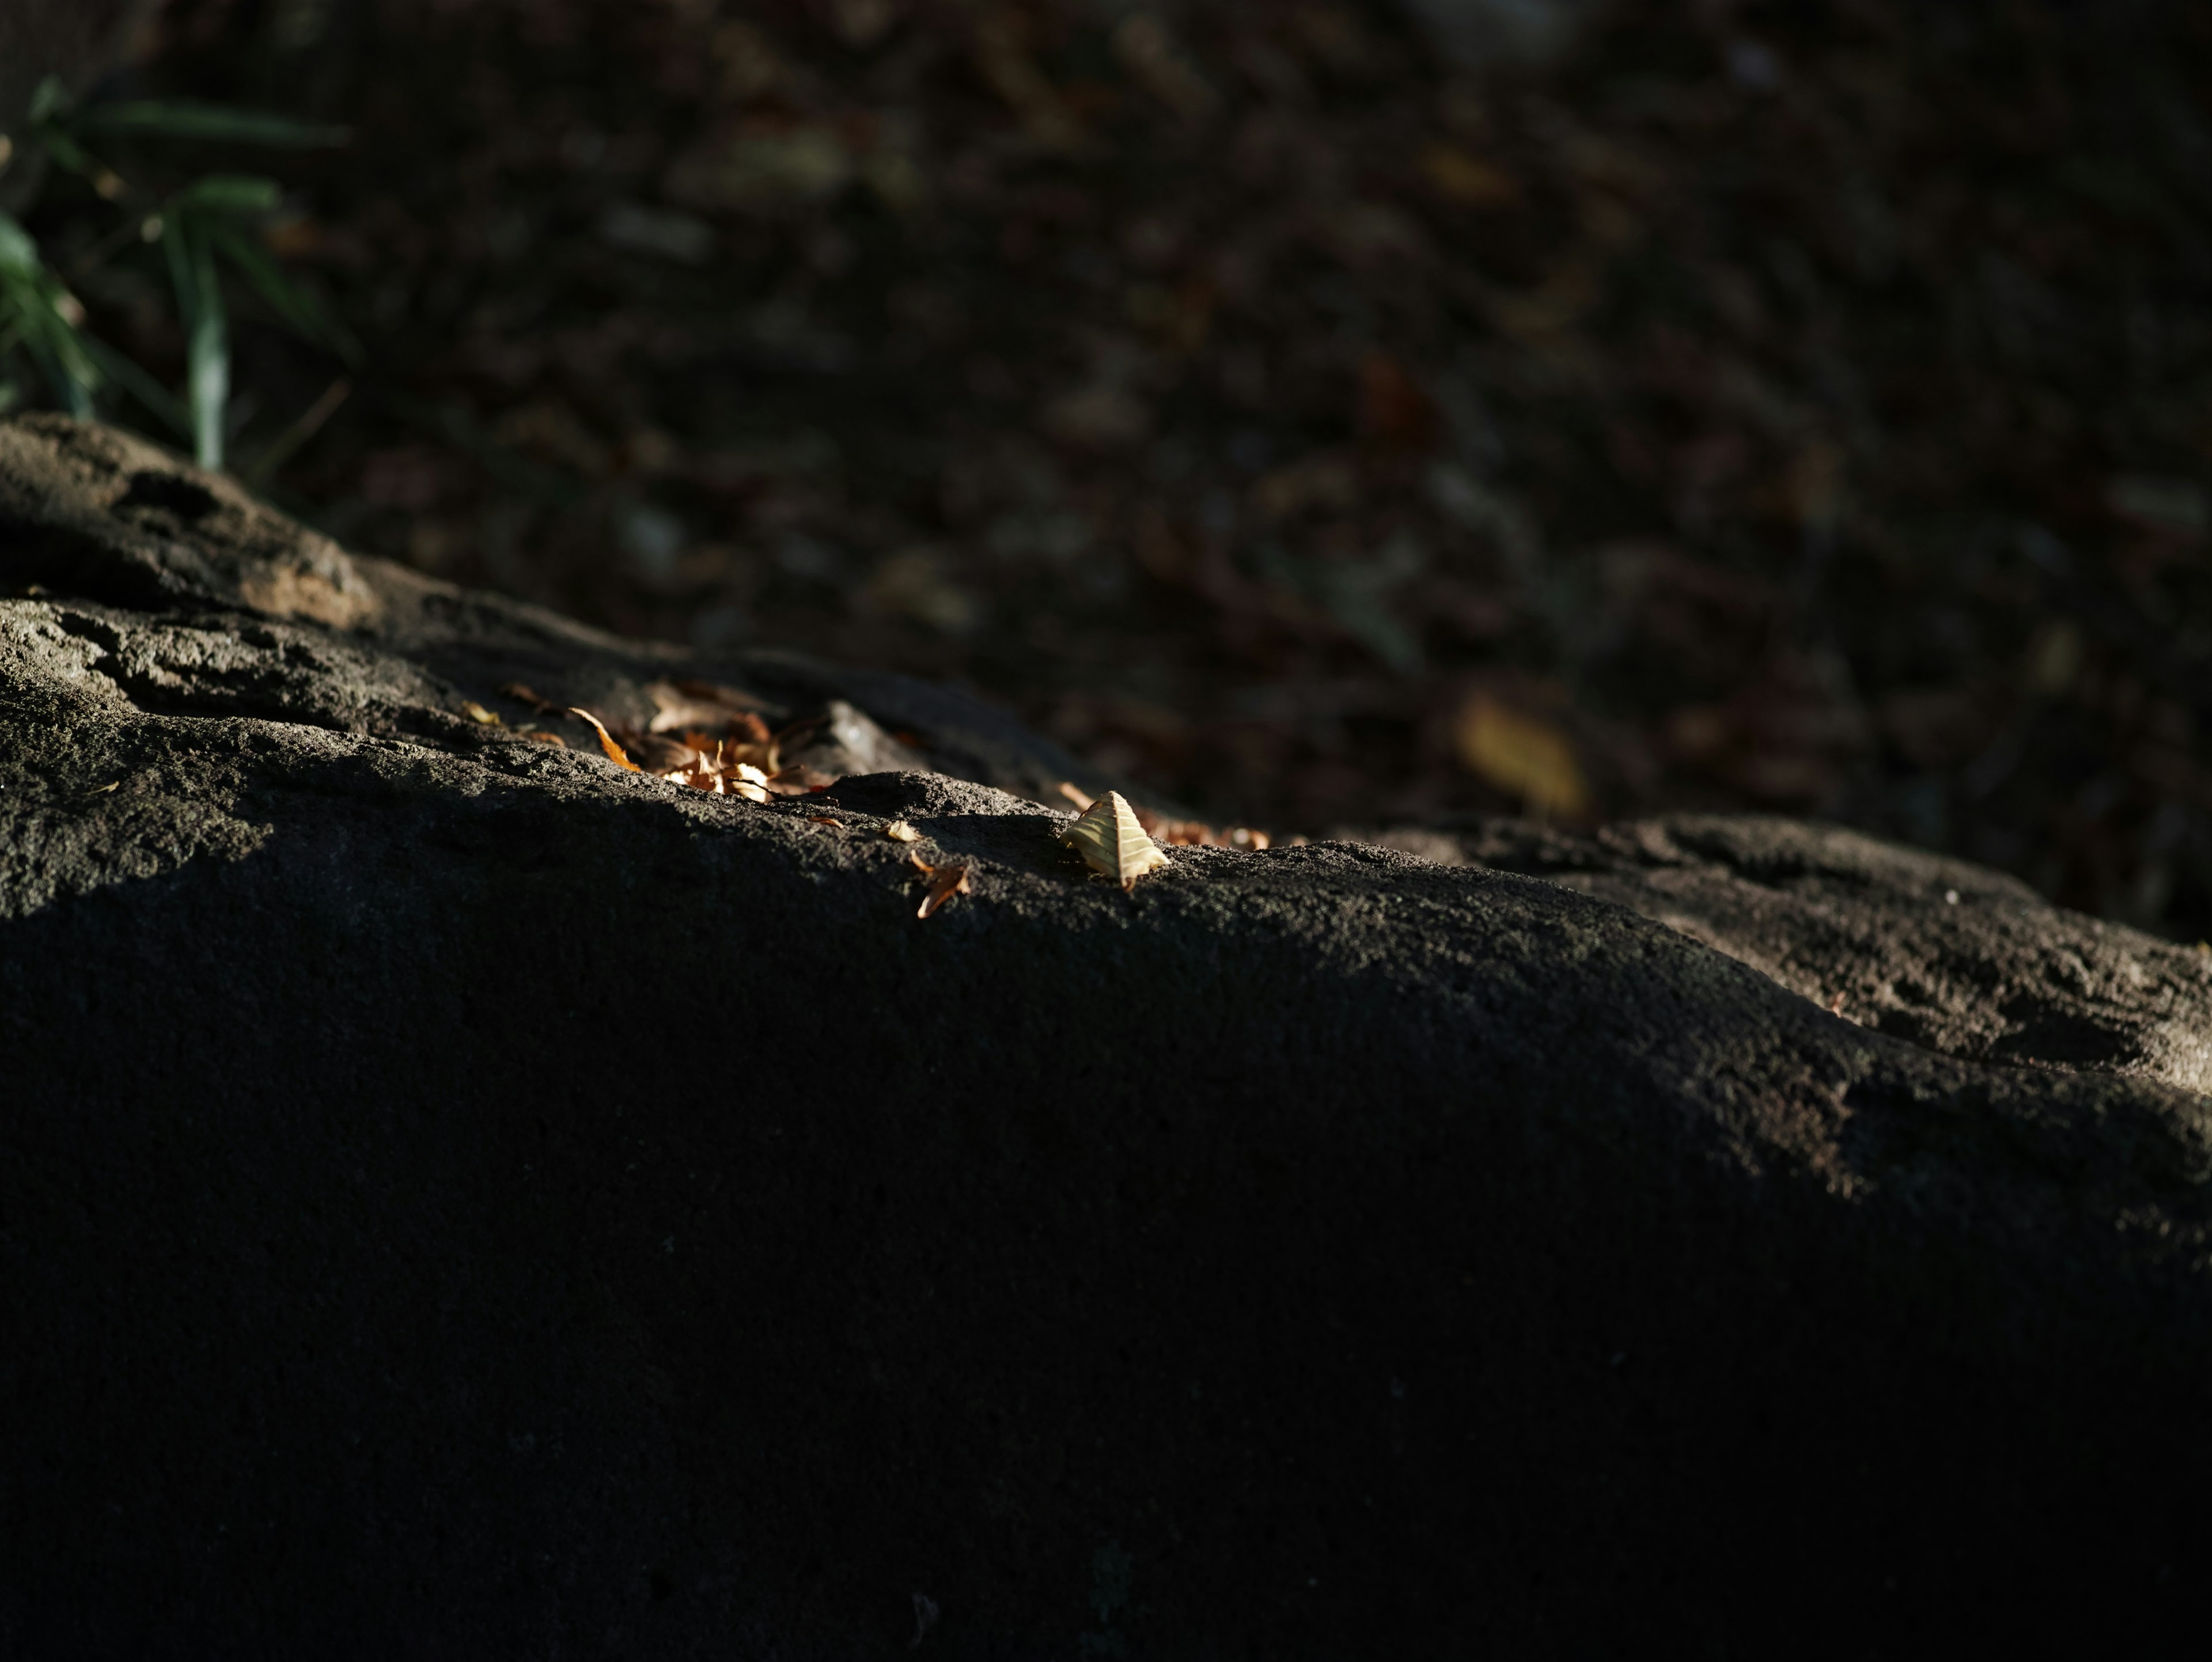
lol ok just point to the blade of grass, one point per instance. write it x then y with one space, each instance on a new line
207 346
57 351
281 449
178 118
49 104
120 371
229 193
298 306
18 252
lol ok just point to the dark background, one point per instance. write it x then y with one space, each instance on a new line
1801 407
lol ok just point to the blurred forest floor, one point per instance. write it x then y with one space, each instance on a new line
1798 407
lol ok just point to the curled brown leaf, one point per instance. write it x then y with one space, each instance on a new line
945 882
607 740
523 695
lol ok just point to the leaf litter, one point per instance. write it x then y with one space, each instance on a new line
1751 412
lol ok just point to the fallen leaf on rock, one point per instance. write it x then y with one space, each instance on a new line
824 819
523 695
1112 843
607 740
1196 834
722 774
801 780
899 831
765 756
945 882
477 712
719 711
539 736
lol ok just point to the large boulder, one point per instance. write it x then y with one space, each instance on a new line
458 1198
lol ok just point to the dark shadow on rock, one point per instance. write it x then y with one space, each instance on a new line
460 1198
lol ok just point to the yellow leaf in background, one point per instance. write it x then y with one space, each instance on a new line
1468 178
477 712
1522 756
607 741
523 695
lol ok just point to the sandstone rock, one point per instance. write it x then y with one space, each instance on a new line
457 1197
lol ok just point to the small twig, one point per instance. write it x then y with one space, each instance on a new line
281 448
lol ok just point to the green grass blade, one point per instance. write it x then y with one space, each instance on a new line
178 118
33 305
207 343
229 193
299 307
18 252
120 371
34 309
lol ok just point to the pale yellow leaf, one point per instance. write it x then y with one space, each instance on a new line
1522 756
1112 843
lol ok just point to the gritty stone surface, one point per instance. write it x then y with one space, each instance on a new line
1939 952
460 1198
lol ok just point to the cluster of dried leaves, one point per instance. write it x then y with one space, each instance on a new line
1796 407
702 735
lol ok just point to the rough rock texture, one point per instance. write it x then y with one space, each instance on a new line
1945 954
460 1199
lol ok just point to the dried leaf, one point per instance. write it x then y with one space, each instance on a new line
539 736
477 712
1523 757
720 710
607 740
1196 834
1111 841
945 882
824 819
1082 799
523 695
899 831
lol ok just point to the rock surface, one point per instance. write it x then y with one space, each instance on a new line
460 1198
1945 954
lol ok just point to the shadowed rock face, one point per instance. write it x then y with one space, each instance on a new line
460 1198
1944 954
